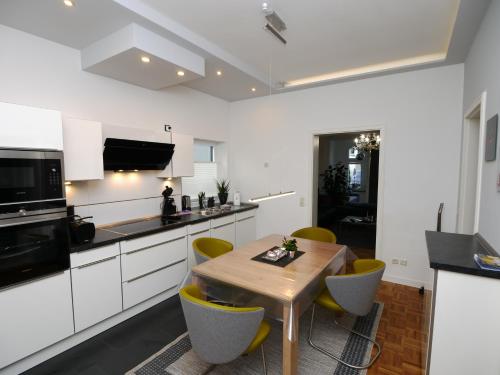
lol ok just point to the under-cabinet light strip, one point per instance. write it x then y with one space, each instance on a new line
271 196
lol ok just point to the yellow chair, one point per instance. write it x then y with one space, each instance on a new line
206 248
220 334
353 293
316 234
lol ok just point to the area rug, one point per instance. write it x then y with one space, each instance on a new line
177 358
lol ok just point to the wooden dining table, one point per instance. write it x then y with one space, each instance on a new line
285 292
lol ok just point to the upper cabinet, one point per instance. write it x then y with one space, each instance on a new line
182 164
28 127
82 150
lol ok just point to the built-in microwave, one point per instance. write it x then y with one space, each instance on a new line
31 183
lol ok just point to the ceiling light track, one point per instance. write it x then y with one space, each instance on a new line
275 32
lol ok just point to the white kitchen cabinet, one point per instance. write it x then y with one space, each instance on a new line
182 164
196 231
29 127
149 285
34 315
152 264
97 285
83 148
223 228
245 228
142 261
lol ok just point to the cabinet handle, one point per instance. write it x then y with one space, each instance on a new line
156 244
154 271
96 262
222 225
250 217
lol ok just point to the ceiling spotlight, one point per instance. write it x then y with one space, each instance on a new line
254 89
219 73
180 73
266 7
145 59
68 3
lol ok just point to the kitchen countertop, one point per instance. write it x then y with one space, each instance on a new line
108 235
455 252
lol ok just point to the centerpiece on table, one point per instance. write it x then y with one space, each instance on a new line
223 187
290 246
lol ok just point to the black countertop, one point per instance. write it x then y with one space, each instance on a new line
134 229
455 252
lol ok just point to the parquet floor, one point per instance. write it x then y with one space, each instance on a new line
401 331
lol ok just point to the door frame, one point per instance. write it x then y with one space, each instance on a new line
478 106
313 181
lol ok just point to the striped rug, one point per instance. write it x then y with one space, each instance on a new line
177 358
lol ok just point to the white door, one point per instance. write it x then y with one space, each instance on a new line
34 315
245 231
224 232
97 291
471 169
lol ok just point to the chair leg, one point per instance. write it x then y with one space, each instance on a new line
337 358
263 359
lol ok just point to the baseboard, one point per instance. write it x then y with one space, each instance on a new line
407 282
73 340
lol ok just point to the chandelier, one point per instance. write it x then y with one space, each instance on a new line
367 143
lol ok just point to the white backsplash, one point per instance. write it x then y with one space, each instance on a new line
121 196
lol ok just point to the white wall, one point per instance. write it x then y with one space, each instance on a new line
482 73
40 73
420 113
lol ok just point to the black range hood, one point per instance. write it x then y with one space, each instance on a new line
129 155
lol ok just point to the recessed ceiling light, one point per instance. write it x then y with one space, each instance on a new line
219 73
68 3
145 59
254 89
180 73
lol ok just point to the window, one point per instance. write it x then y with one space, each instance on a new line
353 153
205 172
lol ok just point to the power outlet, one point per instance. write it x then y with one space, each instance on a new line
403 262
302 202
395 261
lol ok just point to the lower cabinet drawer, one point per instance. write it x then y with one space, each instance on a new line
144 287
140 262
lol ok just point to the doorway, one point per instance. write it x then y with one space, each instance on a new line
346 183
471 168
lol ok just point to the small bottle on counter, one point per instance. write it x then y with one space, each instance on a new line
237 199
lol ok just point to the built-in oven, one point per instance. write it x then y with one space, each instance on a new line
34 238
35 248
31 183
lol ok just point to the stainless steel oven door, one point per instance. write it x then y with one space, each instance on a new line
33 249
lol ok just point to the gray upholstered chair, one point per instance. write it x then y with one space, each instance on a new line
220 334
353 293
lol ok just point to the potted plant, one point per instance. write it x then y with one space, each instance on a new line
290 246
223 187
341 184
201 197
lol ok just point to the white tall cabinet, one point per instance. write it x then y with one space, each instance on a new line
28 127
83 148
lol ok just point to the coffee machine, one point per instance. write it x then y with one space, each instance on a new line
168 206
